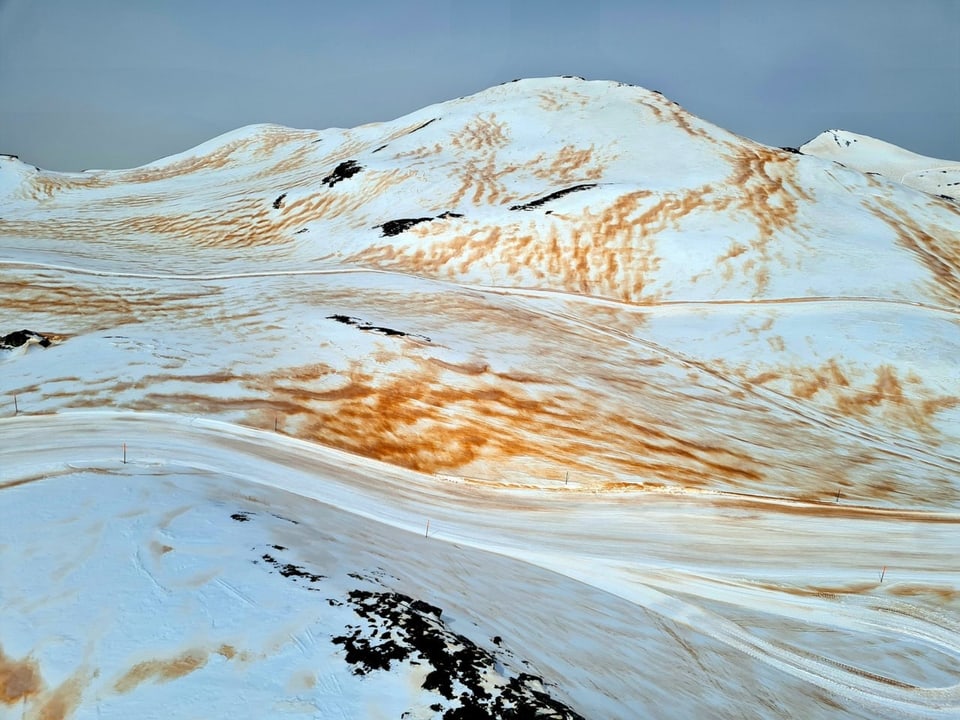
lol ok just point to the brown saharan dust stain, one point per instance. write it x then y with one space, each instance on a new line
607 252
560 98
239 222
936 246
443 417
228 652
572 164
896 401
21 682
666 110
424 151
159 548
45 186
941 594
484 176
61 702
161 671
482 132
85 307
481 174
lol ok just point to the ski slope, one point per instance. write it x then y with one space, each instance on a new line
556 399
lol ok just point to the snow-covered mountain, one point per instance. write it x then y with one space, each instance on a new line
554 398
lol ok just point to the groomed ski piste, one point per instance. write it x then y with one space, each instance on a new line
551 401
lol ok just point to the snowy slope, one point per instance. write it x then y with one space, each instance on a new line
647 380
872 156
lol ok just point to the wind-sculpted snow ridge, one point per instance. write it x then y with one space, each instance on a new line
678 414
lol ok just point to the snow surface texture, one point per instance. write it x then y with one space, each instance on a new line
553 399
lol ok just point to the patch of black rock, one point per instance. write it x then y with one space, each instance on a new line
552 196
245 515
278 203
364 325
22 337
421 127
795 151
344 171
399 628
378 149
289 570
394 227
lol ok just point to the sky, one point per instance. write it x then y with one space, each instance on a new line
119 83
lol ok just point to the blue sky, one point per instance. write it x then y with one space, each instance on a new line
118 83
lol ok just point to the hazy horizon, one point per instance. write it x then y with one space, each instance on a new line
113 84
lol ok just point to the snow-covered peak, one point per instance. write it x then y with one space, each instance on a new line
870 155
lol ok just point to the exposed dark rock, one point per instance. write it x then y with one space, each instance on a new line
552 196
421 127
394 227
426 608
278 203
795 151
397 628
364 325
22 337
289 570
378 149
344 171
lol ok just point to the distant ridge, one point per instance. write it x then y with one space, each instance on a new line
872 156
